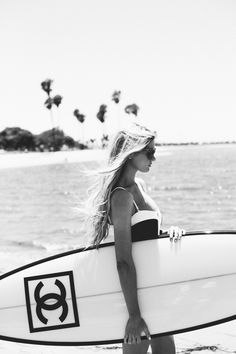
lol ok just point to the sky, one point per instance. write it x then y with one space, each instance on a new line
174 58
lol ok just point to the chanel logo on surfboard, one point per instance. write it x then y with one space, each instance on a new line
51 301
60 301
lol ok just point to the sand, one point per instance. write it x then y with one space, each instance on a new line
17 159
219 339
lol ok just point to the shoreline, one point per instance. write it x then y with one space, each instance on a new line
30 159
16 159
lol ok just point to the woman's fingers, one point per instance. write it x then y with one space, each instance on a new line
171 233
175 233
147 333
133 333
132 339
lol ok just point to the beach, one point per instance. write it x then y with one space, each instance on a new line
16 159
14 166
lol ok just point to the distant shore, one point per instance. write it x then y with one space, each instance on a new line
14 159
23 159
198 143
18 139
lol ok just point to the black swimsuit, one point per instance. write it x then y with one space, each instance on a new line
145 224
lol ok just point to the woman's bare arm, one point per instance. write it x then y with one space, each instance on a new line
122 206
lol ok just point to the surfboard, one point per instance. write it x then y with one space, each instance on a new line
75 298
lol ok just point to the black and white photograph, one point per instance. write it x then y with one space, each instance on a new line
117 176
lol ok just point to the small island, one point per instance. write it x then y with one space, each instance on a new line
18 139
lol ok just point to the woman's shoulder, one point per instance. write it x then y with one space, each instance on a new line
120 194
121 207
121 198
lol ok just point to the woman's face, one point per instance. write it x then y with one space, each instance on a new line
142 160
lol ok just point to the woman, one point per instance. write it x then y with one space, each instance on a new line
121 201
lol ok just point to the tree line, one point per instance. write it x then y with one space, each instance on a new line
54 139
56 100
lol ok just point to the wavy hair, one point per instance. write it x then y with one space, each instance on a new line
125 143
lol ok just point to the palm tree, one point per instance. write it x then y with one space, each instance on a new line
116 99
132 109
101 113
57 101
46 86
116 96
80 118
50 101
101 116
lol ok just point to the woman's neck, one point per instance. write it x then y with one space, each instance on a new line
127 178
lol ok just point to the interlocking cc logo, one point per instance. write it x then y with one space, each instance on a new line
60 301
51 301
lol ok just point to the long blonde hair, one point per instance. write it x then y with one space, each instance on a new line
125 143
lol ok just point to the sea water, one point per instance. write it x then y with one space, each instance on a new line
194 187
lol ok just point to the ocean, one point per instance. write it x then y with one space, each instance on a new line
194 187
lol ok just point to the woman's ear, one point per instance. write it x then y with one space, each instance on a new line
131 156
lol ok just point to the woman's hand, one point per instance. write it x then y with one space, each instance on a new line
175 233
135 328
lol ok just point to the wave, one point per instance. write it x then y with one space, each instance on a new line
178 188
35 244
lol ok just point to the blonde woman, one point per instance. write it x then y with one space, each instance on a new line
120 201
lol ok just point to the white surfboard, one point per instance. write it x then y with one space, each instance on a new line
75 298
